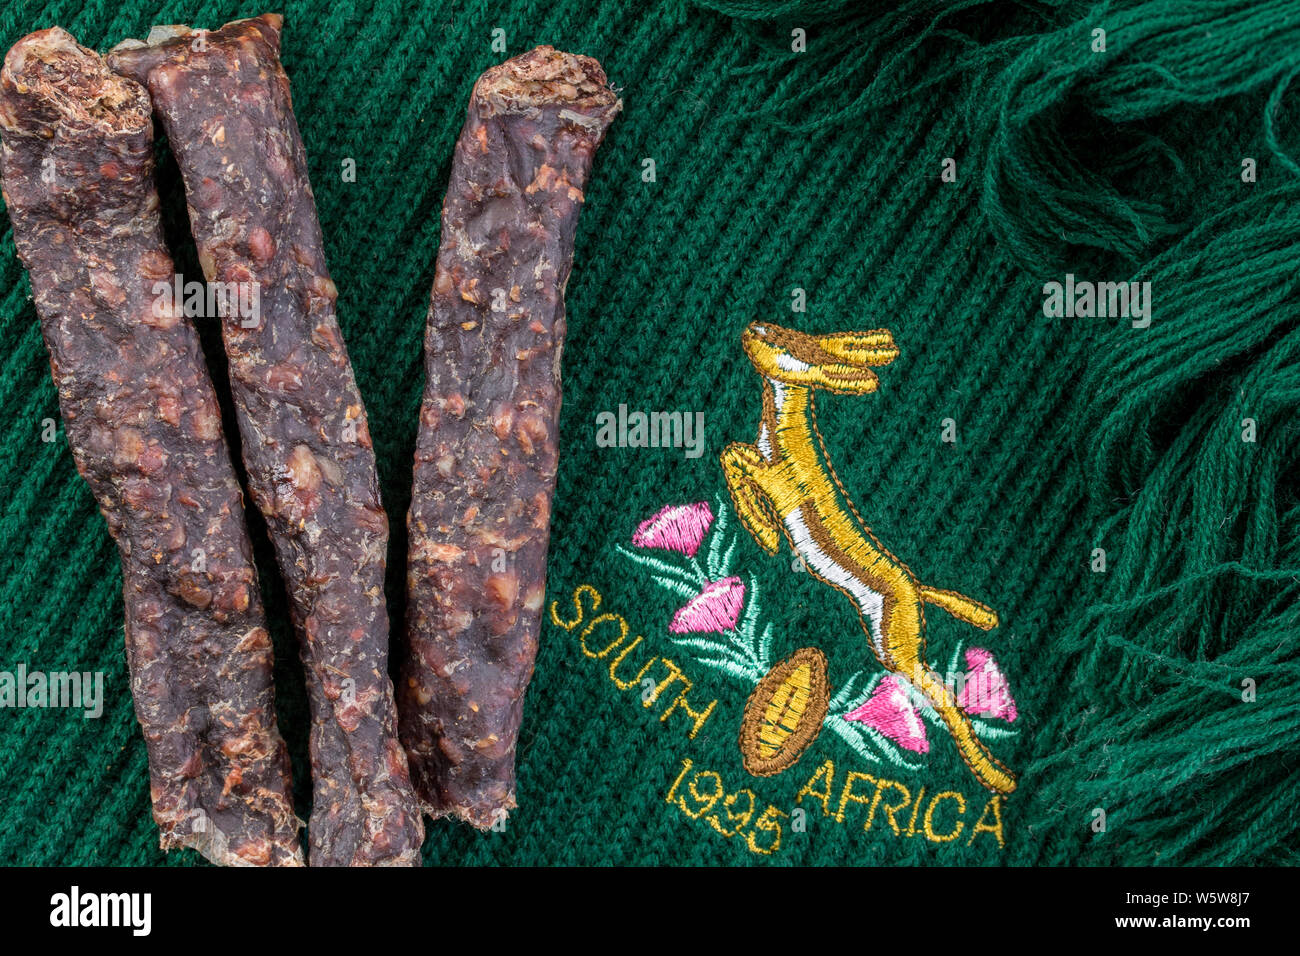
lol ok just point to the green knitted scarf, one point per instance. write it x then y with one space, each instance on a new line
1119 488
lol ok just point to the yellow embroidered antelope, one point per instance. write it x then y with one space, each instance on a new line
781 485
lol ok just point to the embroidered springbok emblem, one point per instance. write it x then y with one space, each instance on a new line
784 485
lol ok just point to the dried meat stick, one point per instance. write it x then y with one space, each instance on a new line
145 431
486 452
223 98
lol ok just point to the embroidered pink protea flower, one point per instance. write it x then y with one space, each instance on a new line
889 710
678 528
986 690
714 610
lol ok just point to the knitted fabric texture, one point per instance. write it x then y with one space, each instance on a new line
1120 493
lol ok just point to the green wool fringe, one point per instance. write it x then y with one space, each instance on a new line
1063 132
1202 533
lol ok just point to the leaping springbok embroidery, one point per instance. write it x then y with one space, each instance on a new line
781 485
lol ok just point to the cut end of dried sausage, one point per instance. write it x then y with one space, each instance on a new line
62 82
138 58
216 847
544 77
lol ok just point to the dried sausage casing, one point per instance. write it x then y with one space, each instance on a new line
486 452
223 98
145 432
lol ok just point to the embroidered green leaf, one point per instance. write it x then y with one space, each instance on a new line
765 644
719 534
992 731
680 587
663 567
